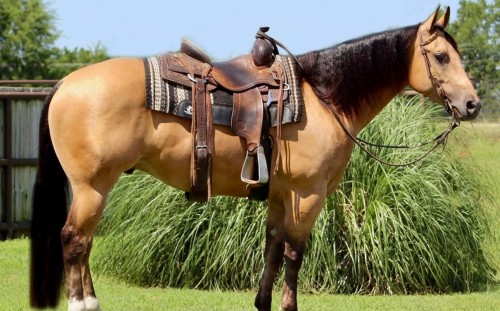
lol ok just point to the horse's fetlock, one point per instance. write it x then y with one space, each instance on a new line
92 303
76 305
288 307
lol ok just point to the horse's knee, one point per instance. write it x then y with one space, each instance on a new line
294 254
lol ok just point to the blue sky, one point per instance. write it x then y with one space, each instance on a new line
226 28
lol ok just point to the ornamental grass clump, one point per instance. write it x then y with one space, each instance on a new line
416 229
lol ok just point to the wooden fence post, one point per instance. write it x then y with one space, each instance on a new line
20 108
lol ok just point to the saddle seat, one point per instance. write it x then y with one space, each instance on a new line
235 75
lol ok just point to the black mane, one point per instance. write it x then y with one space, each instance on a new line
350 72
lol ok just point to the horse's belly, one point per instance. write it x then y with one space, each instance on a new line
169 159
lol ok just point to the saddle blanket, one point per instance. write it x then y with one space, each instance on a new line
169 97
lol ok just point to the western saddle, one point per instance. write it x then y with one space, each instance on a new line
255 80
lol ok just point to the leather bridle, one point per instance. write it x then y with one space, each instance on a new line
438 140
431 75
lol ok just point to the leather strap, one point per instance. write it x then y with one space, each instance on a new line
262 192
280 73
202 132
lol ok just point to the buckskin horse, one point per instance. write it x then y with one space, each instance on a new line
95 126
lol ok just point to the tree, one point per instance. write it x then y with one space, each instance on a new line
27 35
477 29
66 60
27 43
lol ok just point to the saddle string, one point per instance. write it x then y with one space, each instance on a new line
279 117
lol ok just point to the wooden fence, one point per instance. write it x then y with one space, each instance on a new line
20 110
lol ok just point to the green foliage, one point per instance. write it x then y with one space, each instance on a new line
27 35
27 38
387 230
407 230
477 30
184 245
66 60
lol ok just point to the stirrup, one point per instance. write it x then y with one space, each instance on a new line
247 170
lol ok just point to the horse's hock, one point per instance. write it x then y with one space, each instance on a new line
21 104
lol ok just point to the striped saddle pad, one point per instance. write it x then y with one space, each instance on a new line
168 97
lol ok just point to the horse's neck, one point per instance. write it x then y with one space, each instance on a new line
360 77
371 107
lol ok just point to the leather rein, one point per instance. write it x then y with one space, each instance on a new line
438 140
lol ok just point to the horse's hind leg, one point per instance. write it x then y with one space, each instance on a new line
90 299
76 236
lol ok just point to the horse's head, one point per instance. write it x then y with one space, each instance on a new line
437 72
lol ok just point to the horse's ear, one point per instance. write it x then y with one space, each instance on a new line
445 18
431 21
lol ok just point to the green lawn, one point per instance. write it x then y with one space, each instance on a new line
476 143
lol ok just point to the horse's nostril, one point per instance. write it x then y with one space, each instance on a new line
470 105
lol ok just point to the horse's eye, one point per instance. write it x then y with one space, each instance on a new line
441 58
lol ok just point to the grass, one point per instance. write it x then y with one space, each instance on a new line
116 295
478 144
418 229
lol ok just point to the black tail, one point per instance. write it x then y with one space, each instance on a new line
48 218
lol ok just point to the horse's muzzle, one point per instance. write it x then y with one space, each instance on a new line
468 112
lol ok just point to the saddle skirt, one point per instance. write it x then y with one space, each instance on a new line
170 97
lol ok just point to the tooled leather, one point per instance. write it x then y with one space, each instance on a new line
247 117
240 74
176 67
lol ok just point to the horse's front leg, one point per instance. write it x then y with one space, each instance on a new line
300 216
294 254
273 255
